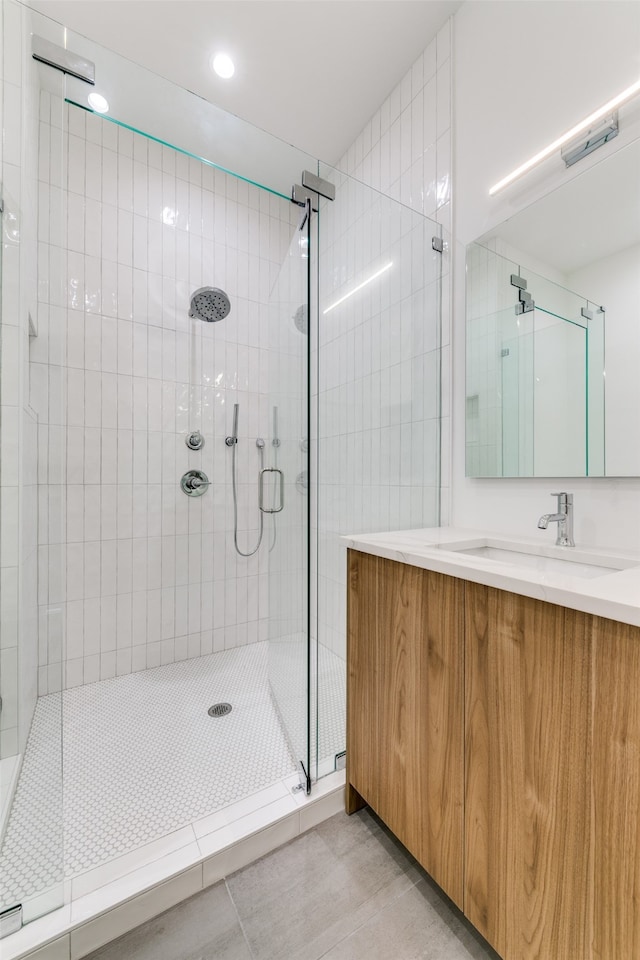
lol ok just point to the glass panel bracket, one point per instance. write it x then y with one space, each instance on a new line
525 303
305 780
10 920
64 60
312 188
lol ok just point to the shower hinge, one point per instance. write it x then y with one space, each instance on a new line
300 196
525 303
587 314
64 60
325 188
437 244
10 920
340 760
311 189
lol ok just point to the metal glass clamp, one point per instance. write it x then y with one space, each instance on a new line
261 490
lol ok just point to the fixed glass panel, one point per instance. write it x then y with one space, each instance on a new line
378 403
146 102
32 499
284 493
113 234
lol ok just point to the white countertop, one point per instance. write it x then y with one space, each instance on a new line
614 595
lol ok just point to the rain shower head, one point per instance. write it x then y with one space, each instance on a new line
209 304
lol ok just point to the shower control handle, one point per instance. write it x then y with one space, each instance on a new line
194 483
280 476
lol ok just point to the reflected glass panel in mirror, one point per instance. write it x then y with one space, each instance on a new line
581 243
535 373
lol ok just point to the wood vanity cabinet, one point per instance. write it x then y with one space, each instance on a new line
405 716
528 768
541 805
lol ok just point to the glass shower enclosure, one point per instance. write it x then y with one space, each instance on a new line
285 488
134 604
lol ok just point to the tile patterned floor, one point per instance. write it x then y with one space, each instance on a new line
346 890
143 758
32 851
288 678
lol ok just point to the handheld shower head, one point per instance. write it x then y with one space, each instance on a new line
233 438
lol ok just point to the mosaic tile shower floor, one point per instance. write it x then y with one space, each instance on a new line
142 758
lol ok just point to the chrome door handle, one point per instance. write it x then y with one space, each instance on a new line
280 490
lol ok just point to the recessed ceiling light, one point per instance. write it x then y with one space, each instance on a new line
222 64
98 103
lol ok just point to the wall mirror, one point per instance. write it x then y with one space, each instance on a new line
553 332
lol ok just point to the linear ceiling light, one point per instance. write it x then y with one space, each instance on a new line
382 270
569 135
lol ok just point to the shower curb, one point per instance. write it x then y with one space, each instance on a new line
70 934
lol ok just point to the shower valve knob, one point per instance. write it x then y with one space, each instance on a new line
195 440
194 483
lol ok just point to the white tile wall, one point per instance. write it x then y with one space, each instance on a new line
18 428
383 357
148 576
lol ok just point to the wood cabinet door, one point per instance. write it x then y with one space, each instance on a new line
405 708
363 695
616 790
528 776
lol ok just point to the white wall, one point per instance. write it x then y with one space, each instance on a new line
505 108
380 350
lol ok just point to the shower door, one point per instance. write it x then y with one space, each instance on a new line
284 491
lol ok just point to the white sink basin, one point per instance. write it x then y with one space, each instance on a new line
568 561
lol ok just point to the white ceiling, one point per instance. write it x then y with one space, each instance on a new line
311 72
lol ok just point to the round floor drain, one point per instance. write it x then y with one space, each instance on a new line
219 710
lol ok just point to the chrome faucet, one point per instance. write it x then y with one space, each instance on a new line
564 519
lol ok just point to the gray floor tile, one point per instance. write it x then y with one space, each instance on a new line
419 925
346 890
203 928
311 893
